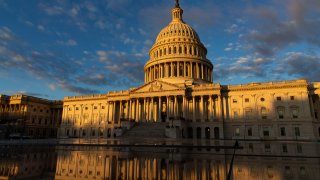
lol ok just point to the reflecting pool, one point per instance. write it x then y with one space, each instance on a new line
165 160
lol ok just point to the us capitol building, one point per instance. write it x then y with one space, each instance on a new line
180 100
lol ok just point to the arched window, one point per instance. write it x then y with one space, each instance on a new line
263 113
319 131
250 131
174 50
169 50
216 133
195 51
180 50
175 70
160 52
294 112
280 111
248 113
185 50
165 51
207 132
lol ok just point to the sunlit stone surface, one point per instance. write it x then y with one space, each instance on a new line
179 100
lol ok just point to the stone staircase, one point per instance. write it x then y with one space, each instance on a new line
146 130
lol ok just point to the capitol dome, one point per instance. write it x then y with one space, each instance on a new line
178 56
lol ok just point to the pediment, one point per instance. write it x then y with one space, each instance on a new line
156 86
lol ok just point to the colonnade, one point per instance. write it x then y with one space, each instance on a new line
12 107
200 108
196 70
178 50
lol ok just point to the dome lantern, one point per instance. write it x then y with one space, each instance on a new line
177 12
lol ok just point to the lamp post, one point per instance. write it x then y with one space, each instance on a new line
235 146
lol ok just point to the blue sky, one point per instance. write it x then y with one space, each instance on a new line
58 48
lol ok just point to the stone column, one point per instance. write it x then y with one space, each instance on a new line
202 72
168 113
91 115
178 69
171 69
210 109
159 110
194 108
114 111
191 69
152 110
225 107
144 118
184 107
197 71
201 108
137 110
175 108
129 109
121 109
184 69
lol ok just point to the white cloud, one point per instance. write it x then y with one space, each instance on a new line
41 28
69 42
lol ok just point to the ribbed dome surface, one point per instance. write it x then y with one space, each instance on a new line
177 29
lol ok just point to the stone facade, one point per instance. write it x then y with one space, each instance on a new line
22 115
179 91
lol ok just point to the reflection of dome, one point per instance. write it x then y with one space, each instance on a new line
178 54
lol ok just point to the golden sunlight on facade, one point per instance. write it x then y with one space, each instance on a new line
179 100
28 116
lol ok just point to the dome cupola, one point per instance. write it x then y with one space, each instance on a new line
178 55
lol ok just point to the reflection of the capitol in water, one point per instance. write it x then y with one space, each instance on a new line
258 160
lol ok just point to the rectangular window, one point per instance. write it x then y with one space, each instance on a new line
283 131
299 148
237 132
280 113
297 131
266 132
77 108
235 114
267 148
250 147
234 101
246 100
278 98
248 113
294 113
250 131
316 115
302 171
284 148
291 97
